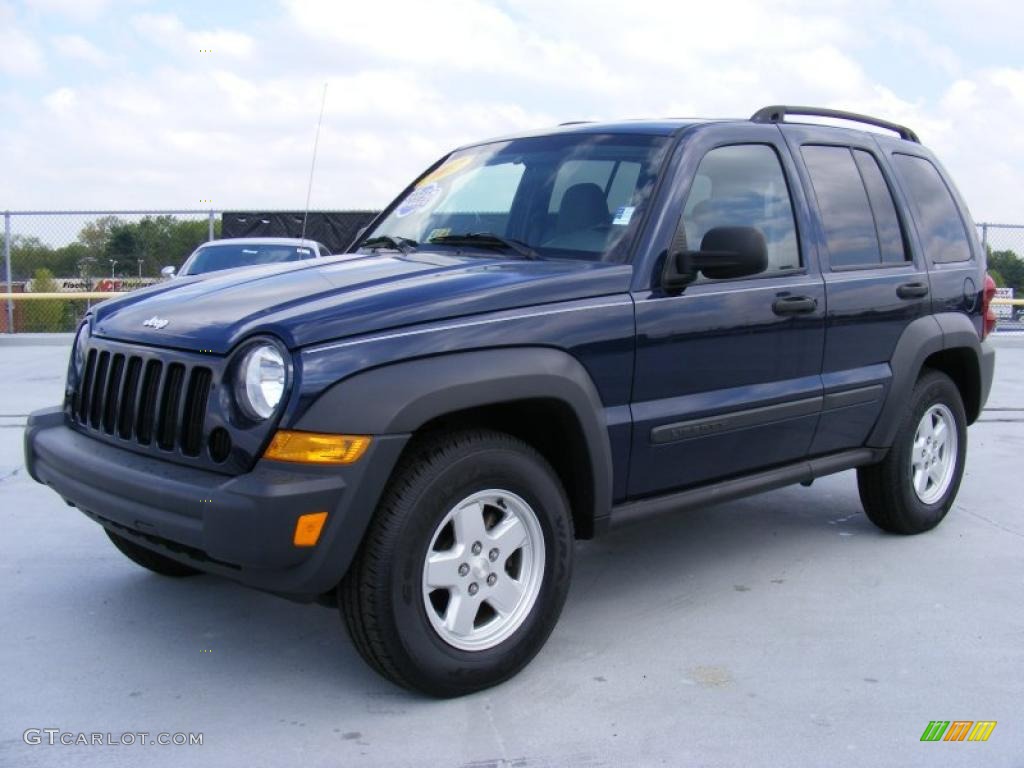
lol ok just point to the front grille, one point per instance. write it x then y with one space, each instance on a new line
144 400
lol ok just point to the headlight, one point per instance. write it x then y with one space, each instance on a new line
262 377
78 350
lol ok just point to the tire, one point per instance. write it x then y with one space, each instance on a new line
450 640
150 560
901 496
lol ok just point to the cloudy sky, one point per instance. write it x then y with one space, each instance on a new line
132 104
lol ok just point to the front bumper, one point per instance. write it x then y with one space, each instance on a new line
235 526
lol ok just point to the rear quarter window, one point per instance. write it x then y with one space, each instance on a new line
939 225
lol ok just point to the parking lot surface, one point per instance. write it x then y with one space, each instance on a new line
781 630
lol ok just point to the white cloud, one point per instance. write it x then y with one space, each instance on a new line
167 31
62 101
78 48
82 10
20 54
408 81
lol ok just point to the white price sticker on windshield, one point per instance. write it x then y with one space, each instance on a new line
623 215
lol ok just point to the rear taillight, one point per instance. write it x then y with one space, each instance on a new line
988 315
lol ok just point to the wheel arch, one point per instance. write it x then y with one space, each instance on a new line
539 394
947 342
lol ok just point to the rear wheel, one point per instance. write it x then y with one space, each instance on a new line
150 560
465 568
912 489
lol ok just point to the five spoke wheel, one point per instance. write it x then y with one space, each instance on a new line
933 453
483 570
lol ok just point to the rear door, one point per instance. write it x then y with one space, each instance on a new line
875 283
727 376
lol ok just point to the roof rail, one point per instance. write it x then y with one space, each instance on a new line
575 122
777 114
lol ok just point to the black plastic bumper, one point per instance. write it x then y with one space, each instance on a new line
988 369
240 527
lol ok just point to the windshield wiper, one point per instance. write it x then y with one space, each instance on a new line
488 240
403 244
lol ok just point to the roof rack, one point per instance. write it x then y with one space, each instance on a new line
575 122
777 114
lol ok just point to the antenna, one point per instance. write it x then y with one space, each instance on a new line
312 166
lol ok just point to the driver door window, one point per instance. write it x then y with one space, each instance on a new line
744 186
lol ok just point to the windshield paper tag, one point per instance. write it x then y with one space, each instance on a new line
421 198
449 168
623 214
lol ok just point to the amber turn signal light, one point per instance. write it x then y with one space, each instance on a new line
316 448
307 529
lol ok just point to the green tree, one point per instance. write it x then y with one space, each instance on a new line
46 315
29 254
1010 267
96 234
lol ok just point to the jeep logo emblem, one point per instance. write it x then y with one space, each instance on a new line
156 322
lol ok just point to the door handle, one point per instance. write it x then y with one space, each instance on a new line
794 305
912 290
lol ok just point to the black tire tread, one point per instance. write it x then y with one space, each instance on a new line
876 482
361 597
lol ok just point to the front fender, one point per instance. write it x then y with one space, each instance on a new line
399 398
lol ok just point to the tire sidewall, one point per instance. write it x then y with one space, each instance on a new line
430 661
932 389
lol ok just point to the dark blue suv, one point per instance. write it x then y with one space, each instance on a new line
541 338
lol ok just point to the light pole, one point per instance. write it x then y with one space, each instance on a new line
113 263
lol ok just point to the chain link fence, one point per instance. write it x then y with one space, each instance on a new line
58 263
1005 244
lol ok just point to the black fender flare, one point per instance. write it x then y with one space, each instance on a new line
920 339
399 398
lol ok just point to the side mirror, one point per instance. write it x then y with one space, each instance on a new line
168 272
725 252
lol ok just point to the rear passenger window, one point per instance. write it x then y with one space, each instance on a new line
845 211
887 223
744 186
938 221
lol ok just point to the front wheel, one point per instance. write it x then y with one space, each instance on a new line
465 568
913 487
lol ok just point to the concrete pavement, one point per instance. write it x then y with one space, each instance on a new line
779 630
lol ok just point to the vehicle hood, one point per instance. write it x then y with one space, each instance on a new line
307 302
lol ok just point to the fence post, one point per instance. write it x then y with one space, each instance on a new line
211 226
984 239
7 267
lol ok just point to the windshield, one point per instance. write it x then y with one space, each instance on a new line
573 195
212 258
